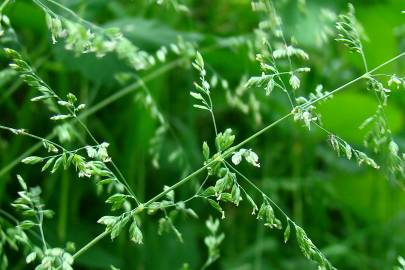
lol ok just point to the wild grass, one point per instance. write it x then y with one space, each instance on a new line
220 178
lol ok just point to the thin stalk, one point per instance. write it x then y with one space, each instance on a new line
187 179
5 3
180 183
363 57
67 10
229 151
90 244
107 101
123 179
40 219
355 80
287 218
24 133
9 216
221 157
260 191
214 122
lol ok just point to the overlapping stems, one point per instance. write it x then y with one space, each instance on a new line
222 157
229 152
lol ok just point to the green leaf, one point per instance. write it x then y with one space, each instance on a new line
107 220
221 184
38 98
32 160
206 151
217 207
208 192
224 140
71 98
199 59
65 103
60 117
57 164
50 147
226 197
12 53
200 107
236 197
22 182
31 257
252 202
48 163
197 96
118 226
48 213
135 234
262 211
287 232
117 201
270 217
106 181
348 150
27 224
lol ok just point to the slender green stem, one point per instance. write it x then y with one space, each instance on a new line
119 94
214 122
363 57
9 216
3 5
180 183
107 101
259 190
123 179
40 219
24 133
287 218
90 244
229 151
68 11
355 80
191 176
86 129
195 195
260 132
223 156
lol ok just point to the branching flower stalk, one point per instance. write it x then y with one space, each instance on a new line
32 79
220 158
203 95
226 188
231 150
109 100
380 138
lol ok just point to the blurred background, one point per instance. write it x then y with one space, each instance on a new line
353 214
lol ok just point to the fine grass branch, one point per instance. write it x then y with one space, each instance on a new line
226 154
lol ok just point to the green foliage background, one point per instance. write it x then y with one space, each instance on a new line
354 215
